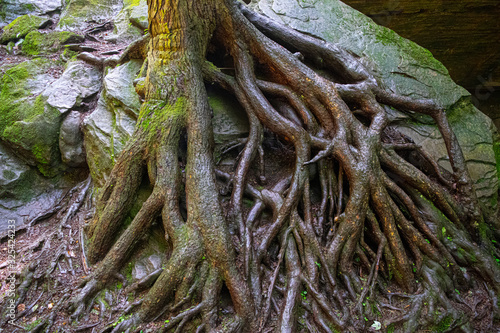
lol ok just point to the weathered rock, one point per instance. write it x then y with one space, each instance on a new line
71 140
27 124
119 85
77 12
407 69
79 81
21 26
146 266
131 22
23 193
11 9
112 123
37 43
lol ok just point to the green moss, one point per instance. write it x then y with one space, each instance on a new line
161 114
78 11
421 55
131 3
39 43
14 88
20 27
25 122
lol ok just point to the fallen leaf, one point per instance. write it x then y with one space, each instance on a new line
376 325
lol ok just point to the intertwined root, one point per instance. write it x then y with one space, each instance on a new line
351 214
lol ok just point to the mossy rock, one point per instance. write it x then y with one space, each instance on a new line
27 124
21 26
77 12
37 43
11 9
24 193
131 22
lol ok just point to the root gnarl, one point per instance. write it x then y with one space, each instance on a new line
319 242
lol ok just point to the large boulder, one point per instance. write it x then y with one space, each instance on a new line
407 69
78 82
27 124
78 12
464 35
24 194
22 26
11 9
40 43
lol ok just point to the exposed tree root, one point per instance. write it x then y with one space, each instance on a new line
351 214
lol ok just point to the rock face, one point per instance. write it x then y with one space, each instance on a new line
27 124
409 70
131 22
11 9
112 123
32 104
464 35
78 82
23 192
21 26
71 140
77 12
39 43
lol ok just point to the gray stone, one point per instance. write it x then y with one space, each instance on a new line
119 85
24 194
131 22
78 82
71 140
112 123
78 12
106 131
146 266
407 69
11 9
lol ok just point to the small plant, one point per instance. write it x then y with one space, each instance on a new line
304 294
122 318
